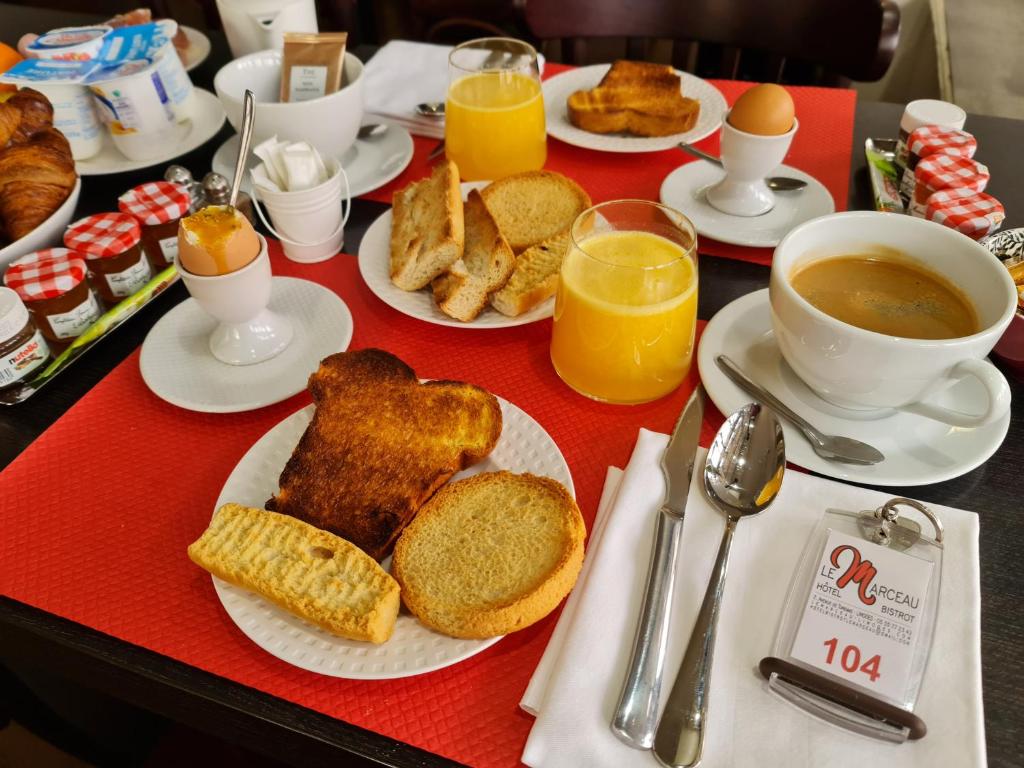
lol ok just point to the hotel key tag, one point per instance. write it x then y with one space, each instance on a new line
859 620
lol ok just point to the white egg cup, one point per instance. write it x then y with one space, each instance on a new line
748 158
247 331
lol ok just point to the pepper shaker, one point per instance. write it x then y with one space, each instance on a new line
182 176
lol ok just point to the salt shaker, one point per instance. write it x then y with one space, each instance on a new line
182 176
218 192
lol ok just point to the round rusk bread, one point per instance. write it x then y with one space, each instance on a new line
490 554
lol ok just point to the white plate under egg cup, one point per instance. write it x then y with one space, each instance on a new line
413 649
177 366
918 450
370 163
685 189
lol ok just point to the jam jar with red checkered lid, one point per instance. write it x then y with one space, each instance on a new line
52 284
157 205
22 347
110 244
938 172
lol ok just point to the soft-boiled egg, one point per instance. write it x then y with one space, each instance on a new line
215 241
766 110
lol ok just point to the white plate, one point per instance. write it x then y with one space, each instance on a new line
684 189
375 267
369 163
193 134
177 365
49 232
917 450
413 649
198 48
558 88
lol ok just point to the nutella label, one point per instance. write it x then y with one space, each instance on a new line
68 325
169 248
130 280
307 83
18 364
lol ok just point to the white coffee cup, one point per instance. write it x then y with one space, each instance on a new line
248 332
748 158
866 371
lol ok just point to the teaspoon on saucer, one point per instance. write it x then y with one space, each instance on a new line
431 109
831 447
775 183
371 129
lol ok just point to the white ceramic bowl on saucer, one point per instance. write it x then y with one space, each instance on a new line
50 232
329 123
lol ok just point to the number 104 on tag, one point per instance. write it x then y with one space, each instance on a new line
863 616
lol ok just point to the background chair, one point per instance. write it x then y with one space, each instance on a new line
822 42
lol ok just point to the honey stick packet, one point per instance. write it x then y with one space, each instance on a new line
312 65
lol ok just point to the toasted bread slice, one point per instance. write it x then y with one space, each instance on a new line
490 554
485 266
427 228
379 445
309 572
531 207
634 97
534 279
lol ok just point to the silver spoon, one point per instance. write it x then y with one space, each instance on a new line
776 183
244 141
742 476
431 109
831 447
371 129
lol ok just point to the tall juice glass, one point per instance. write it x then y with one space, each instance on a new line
494 115
626 306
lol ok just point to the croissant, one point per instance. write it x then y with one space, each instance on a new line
36 177
34 111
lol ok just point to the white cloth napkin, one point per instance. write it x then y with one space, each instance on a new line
577 683
401 75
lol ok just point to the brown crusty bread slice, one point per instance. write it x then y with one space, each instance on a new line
534 279
534 206
485 266
379 445
427 229
490 554
311 573
634 97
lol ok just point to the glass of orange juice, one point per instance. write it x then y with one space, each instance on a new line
494 115
626 306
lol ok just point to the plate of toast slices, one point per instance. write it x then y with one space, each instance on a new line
631 106
477 254
471 495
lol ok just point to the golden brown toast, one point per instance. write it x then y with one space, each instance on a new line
379 445
635 97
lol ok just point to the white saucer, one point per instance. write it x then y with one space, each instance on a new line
193 134
177 365
684 189
558 88
918 451
198 47
369 163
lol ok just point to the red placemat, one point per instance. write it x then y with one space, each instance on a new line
105 545
822 147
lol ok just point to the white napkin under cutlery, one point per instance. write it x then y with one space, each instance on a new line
401 75
576 686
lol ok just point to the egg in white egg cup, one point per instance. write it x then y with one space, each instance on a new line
247 331
748 158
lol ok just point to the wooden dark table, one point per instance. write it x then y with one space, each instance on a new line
35 639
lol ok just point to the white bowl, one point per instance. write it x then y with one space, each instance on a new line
50 232
329 123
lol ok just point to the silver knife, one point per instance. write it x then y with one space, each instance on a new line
636 716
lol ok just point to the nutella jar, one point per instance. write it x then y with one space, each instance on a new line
939 172
924 112
157 205
22 347
110 243
53 286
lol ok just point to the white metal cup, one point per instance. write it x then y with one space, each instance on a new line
748 158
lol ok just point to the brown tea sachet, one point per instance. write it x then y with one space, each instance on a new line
312 65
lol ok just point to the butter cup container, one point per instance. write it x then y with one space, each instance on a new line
134 105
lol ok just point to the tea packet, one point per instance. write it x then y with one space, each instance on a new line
312 65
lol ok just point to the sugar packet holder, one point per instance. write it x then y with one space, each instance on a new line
858 624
